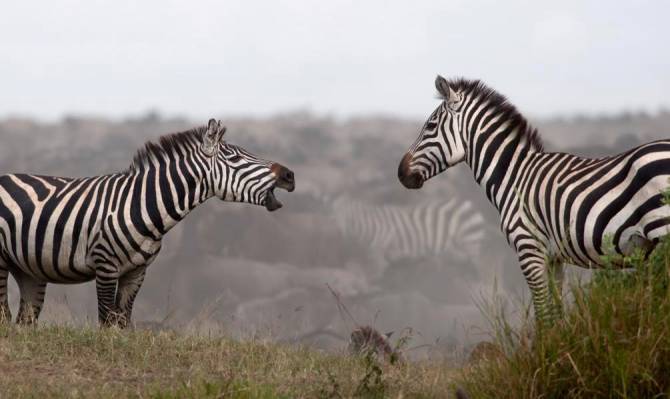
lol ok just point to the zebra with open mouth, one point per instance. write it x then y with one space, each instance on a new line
109 228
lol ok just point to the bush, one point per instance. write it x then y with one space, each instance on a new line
612 341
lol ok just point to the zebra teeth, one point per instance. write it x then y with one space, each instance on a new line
271 201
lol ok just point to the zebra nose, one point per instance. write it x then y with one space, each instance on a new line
285 177
409 179
412 181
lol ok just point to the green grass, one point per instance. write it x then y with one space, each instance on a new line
613 341
60 361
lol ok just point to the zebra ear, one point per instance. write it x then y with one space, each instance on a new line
442 87
448 94
211 138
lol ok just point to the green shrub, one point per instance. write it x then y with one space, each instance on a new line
612 341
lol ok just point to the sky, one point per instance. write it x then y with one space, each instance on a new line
341 58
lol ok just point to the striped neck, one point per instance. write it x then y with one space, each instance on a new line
167 187
498 144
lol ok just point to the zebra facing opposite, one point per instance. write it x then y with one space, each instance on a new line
427 229
554 207
109 228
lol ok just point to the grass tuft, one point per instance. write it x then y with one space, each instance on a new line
612 341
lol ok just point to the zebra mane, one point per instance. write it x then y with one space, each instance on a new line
478 89
165 144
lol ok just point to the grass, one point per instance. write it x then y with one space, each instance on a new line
61 361
613 341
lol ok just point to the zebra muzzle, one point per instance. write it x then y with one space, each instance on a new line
407 177
284 179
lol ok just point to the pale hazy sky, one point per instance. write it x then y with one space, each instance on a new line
204 58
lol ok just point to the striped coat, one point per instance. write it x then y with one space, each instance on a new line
109 228
554 208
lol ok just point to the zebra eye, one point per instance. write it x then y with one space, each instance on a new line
235 158
431 125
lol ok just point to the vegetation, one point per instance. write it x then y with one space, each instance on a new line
612 341
61 361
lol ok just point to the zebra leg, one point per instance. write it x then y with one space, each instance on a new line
5 312
534 269
106 280
556 277
129 286
32 297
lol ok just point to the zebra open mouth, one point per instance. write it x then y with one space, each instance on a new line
284 179
271 201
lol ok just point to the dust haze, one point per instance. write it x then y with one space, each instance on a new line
238 269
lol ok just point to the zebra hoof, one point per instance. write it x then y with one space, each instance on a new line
114 320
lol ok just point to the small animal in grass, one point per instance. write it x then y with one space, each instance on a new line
365 339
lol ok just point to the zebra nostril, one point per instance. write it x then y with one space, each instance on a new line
288 175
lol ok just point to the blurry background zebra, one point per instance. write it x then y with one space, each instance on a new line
452 227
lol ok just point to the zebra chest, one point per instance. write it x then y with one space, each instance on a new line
147 252
124 255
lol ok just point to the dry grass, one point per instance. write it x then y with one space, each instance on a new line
60 361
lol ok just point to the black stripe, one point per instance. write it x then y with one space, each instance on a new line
136 209
61 222
43 222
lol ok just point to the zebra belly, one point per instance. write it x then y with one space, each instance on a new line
45 223
51 259
637 225
48 271
610 206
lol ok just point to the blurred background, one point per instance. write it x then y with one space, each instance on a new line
337 91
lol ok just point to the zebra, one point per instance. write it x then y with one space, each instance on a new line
554 207
109 228
424 230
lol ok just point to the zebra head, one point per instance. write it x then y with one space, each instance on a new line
239 176
441 143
